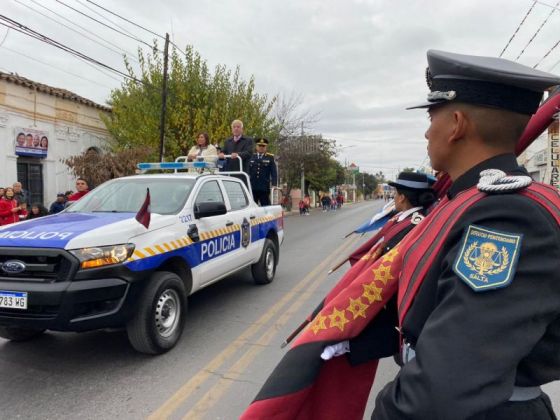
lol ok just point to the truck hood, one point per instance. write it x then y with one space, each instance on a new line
77 230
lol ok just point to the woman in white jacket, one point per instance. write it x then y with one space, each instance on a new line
203 149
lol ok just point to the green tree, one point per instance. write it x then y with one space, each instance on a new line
198 100
408 170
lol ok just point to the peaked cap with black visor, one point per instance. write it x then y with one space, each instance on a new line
484 81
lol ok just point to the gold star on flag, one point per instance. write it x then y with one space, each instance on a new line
357 307
338 319
372 293
383 273
319 324
390 256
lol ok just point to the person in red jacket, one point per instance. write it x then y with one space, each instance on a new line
82 188
10 211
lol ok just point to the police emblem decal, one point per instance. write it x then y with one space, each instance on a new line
488 258
416 218
245 233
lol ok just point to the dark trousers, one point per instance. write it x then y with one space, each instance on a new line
262 197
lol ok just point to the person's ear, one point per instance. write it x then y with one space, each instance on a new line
459 126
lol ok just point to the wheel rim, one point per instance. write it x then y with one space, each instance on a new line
269 263
168 312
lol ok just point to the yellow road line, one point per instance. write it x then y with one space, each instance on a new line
213 395
198 379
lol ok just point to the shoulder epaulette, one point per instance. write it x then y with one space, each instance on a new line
269 154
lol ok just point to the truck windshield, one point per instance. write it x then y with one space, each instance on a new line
167 196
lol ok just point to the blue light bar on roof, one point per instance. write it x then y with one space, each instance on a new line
144 166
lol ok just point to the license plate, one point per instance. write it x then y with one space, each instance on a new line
13 300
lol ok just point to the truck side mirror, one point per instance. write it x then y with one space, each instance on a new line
208 209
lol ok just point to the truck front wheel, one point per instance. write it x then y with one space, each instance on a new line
158 323
19 334
265 269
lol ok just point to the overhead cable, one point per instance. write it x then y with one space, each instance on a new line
105 17
134 23
55 67
125 19
537 32
519 26
10 23
107 26
74 30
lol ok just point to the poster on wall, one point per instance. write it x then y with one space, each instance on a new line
31 142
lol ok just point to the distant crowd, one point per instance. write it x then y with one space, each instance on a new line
15 205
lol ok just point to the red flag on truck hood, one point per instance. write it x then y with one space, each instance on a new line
143 215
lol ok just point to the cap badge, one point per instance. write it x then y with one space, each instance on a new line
438 95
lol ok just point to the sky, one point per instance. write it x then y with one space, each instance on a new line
357 64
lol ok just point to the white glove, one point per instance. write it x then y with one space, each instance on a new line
335 350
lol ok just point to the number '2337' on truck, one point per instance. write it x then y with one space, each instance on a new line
102 263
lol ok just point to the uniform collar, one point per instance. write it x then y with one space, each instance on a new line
506 162
404 214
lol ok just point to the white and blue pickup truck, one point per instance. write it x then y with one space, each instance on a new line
94 265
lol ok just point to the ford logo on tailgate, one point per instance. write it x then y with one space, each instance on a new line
13 267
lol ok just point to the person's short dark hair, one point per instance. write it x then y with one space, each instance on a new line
69 192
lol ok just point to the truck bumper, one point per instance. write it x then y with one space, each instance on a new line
72 300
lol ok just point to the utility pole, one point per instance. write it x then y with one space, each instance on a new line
302 165
163 98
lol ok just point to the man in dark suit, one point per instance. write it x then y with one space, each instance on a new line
237 146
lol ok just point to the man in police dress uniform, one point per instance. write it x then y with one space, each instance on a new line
262 171
482 333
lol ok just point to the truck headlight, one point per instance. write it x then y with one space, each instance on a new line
103 255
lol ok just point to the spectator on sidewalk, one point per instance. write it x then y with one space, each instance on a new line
10 210
37 210
58 205
20 194
82 187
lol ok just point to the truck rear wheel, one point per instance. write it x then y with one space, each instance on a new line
19 334
158 323
265 269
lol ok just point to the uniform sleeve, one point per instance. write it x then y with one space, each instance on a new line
273 172
469 349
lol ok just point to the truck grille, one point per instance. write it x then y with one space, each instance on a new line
41 264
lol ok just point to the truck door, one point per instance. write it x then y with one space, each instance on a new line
219 242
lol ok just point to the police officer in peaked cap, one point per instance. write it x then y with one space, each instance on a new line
262 172
482 331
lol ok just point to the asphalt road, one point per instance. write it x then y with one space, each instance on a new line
230 344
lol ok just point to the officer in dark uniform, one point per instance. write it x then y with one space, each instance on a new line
483 331
262 171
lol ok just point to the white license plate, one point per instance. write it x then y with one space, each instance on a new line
13 300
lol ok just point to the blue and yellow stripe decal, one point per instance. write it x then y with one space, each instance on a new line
212 244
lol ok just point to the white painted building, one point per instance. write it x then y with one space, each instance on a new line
39 126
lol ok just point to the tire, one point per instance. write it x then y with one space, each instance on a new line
19 334
158 323
265 269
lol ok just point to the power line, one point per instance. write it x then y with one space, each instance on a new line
125 19
55 67
517 30
34 34
547 54
5 37
104 17
74 30
104 24
537 32
135 24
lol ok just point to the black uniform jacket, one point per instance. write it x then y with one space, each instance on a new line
262 171
243 147
473 347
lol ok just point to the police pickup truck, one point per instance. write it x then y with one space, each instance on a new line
102 263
